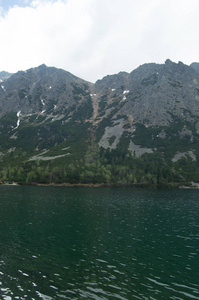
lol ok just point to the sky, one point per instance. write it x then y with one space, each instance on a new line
95 38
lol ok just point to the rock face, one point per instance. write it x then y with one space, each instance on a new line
155 94
195 66
152 94
152 111
40 89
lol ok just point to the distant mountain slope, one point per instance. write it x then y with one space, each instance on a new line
138 128
39 89
195 66
4 75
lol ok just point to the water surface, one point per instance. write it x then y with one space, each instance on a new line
98 243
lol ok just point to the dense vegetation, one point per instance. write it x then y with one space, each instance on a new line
100 166
82 161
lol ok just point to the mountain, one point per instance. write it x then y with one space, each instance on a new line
195 66
4 75
39 89
136 129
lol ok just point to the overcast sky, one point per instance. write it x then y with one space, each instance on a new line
93 38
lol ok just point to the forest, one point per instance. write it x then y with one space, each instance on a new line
107 168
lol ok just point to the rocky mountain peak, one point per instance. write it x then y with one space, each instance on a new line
4 75
111 81
156 92
40 89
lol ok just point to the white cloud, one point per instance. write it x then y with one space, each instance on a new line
93 38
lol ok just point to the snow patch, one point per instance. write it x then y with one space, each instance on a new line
18 121
43 111
42 102
3 88
125 92
112 90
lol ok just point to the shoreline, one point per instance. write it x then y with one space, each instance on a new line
189 185
72 184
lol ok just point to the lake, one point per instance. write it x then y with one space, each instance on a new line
98 243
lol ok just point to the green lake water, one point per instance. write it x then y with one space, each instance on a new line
98 243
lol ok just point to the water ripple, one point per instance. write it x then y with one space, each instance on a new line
113 244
